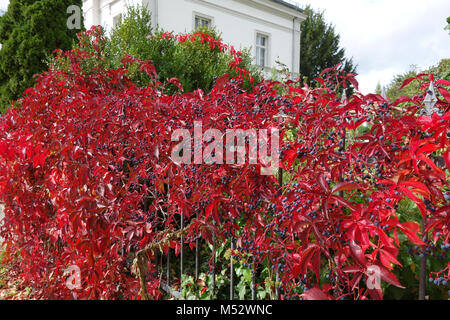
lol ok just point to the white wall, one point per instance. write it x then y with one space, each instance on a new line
237 20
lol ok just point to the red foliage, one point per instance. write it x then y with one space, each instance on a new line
87 179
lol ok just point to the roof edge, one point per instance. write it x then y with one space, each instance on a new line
289 5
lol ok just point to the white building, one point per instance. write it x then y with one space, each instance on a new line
271 28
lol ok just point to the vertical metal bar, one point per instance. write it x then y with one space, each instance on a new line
277 281
155 256
253 282
197 242
423 265
277 273
161 269
196 258
213 284
231 271
280 179
168 268
181 249
341 150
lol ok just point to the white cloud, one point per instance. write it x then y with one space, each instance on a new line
4 4
386 37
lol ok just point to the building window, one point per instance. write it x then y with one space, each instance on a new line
202 22
261 49
117 19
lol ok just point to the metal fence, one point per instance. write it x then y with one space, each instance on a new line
167 266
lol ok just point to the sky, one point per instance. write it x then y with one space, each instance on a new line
4 4
385 37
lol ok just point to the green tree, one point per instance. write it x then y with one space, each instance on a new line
193 63
29 31
378 89
320 47
441 71
448 24
393 90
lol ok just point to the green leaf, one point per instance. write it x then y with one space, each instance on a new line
242 290
261 294
247 275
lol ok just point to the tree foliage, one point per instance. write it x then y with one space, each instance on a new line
320 47
395 90
29 31
193 63
378 89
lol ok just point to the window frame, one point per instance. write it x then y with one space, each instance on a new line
266 48
116 19
202 16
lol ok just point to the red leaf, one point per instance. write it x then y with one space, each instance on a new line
344 186
209 209
418 202
416 184
414 226
344 202
410 229
413 236
446 157
354 82
400 100
431 164
354 283
443 82
388 182
406 82
176 83
306 256
326 70
388 276
358 253
323 183
389 257
291 156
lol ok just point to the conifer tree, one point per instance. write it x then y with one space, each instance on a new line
29 32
